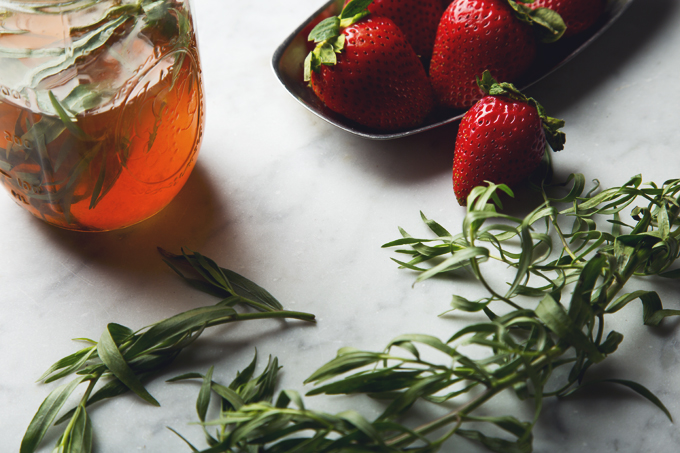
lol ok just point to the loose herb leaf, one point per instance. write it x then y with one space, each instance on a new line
205 275
204 395
115 362
46 414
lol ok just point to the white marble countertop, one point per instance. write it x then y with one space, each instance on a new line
302 208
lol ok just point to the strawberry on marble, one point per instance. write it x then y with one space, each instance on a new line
501 139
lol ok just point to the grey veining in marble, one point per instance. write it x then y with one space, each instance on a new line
302 208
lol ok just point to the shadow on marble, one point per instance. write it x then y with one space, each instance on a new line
409 160
635 31
225 344
188 221
605 394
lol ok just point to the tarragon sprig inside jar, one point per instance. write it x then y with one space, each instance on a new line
101 108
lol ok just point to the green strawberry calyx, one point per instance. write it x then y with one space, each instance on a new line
547 23
329 38
551 126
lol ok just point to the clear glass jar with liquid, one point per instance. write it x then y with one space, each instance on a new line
101 108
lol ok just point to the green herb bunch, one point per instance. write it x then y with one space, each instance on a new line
123 359
550 316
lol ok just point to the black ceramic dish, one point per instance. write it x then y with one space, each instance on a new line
290 55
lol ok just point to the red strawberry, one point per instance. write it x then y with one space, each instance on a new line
364 69
501 139
418 19
478 35
578 15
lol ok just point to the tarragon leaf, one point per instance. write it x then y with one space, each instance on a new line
348 359
46 414
379 381
79 437
463 304
82 46
155 10
653 311
428 340
204 395
219 281
69 124
458 259
496 444
363 425
189 444
5 31
637 388
557 320
67 365
507 423
114 360
178 324
86 97
243 376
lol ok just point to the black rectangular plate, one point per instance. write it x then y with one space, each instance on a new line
290 55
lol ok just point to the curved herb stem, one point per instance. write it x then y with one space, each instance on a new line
445 420
475 267
600 327
282 314
90 388
559 232
460 412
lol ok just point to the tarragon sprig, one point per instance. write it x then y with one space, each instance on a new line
551 314
123 359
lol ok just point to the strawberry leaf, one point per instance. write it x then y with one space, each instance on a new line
355 8
309 66
323 54
326 29
548 25
338 43
326 54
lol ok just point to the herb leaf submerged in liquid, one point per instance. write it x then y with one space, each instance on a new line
66 165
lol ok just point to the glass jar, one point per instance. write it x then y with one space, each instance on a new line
101 108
